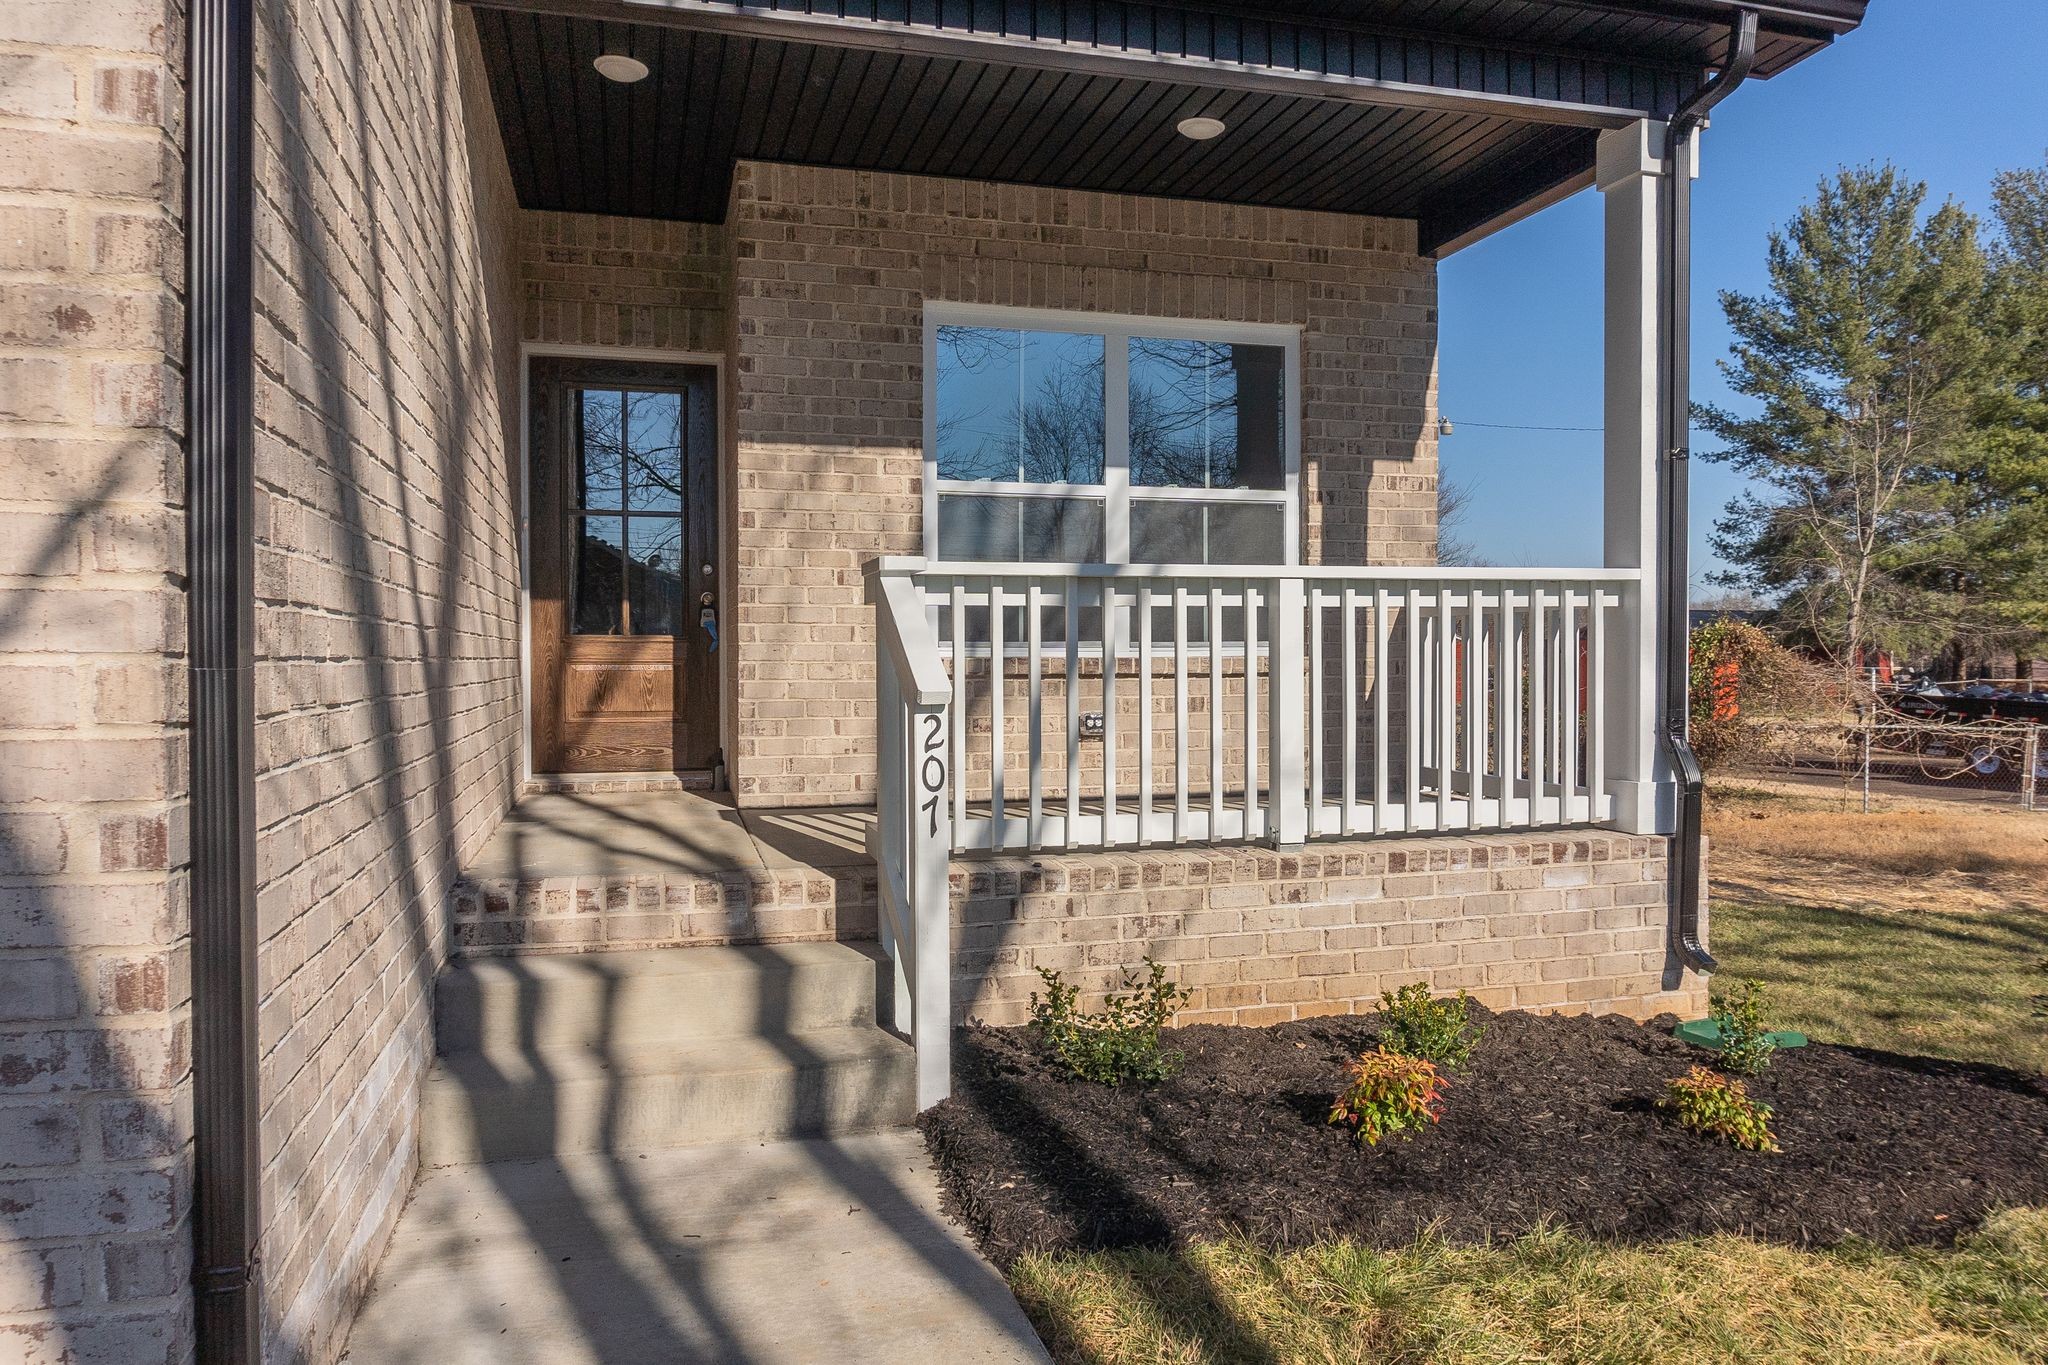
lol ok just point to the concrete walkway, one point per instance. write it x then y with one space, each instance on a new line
817 1251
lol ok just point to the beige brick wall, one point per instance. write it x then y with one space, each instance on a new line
1552 922
630 282
95 1185
830 273
387 609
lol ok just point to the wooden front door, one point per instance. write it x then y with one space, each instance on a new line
623 507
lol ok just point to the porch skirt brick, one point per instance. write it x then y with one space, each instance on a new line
1567 923
1572 923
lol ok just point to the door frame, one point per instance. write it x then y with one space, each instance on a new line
529 351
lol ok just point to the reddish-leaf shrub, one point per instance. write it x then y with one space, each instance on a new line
1389 1093
1717 1106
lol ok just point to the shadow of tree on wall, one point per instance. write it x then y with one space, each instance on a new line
61 1194
421 537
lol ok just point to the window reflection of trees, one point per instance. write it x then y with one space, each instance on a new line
628 571
998 421
1205 414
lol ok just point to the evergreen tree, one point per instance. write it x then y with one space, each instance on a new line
2006 531
1869 358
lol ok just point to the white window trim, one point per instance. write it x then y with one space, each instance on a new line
1116 491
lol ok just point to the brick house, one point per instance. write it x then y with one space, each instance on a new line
496 489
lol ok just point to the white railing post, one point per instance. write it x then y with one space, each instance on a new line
1285 660
931 853
913 839
1629 166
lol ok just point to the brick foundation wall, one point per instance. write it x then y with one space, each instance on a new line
1551 922
830 273
387 607
95 1040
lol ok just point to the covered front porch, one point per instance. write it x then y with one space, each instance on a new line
1053 475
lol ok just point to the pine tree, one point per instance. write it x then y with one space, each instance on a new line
2006 529
1868 357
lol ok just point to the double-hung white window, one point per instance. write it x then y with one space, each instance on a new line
1093 439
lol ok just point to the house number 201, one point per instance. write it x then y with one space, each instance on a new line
931 772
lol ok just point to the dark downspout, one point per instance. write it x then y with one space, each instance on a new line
220 560
1675 402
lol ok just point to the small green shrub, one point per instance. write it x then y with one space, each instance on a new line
1717 1106
1439 1031
1389 1092
1746 1042
1120 1042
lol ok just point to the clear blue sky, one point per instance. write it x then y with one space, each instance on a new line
1951 91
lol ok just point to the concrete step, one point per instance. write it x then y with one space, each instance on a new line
513 1004
559 1099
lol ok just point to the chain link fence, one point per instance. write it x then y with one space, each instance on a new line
1887 755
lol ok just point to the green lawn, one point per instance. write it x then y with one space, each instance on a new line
1964 980
1966 984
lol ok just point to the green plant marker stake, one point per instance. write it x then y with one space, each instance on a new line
1706 1033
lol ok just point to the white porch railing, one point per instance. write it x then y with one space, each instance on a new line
1028 707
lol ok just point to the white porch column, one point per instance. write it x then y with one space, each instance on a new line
1630 167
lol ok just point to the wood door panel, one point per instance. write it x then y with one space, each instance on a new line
597 689
636 515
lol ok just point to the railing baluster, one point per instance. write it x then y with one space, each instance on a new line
1073 710
1507 701
1180 712
1383 676
1518 633
995 713
1251 713
1447 707
1034 643
1568 685
1417 721
1315 709
1347 686
959 762
1539 702
1215 624
1596 705
1144 713
1475 704
1111 647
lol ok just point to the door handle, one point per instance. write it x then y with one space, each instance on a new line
708 618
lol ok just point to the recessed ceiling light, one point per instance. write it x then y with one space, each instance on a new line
1201 128
617 66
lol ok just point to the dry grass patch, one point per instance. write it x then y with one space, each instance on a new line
1550 1296
1797 845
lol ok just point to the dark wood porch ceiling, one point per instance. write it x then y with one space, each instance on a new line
1451 112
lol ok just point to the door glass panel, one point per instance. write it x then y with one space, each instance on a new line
596 573
1017 406
654 452
1206 414
600 432
655 569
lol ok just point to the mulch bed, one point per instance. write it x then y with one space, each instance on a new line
1552 1120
